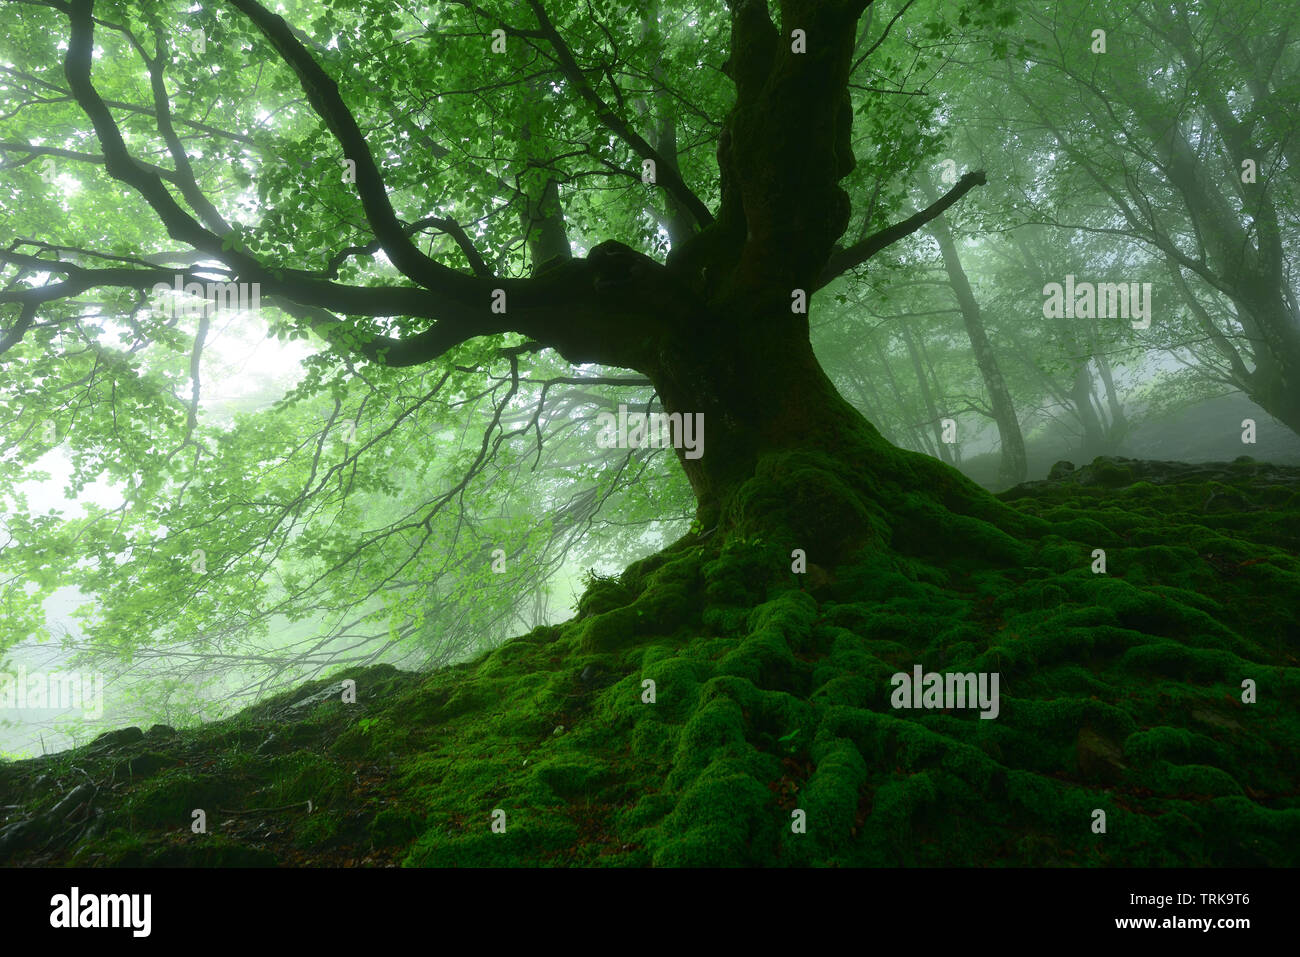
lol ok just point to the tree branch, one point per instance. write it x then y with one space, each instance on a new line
880 39
95 159
185 178
26 317
595 310
665 171
323 95
842 260
118 162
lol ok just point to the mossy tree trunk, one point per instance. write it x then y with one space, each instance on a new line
760 389
722 328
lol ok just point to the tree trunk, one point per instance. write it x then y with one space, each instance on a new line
760 389
927 397
1118 427
785 457
1013 466
1093 442
917 438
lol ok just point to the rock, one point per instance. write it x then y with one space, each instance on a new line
18 835
96 825
1060 470
116 739
147 764
1109 472
161 731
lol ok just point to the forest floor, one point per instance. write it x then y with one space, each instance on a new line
694 707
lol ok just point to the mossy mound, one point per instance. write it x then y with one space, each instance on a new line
715 706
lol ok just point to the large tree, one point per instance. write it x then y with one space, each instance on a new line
481 226
718 326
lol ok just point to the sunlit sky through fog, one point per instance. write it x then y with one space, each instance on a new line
238 361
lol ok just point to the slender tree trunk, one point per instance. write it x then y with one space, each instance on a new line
953 447
661 108
545 229
1093 442
1118 427
1013 466
926 396
919 440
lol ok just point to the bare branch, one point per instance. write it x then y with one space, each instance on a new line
842 260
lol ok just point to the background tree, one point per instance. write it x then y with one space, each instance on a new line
1180 136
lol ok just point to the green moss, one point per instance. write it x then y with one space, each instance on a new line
724 819
209 850
371 737
118 848
1192 780
830 799
529 837
166 801
304 776
603 595
610 631
801 500
1119 691
395 827
572 775
1172 744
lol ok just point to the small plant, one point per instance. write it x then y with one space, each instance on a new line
592 577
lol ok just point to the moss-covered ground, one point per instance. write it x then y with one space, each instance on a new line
1120 691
